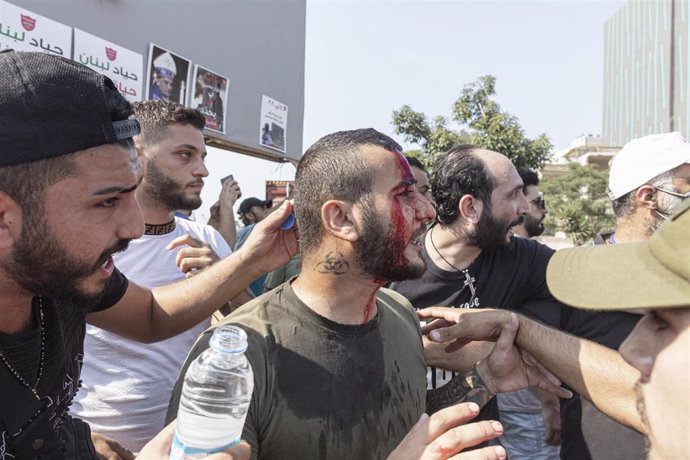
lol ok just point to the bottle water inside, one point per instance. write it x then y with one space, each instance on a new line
215 397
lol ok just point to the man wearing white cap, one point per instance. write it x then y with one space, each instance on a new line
649 177
163 78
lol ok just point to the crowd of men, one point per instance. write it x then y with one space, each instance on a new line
90 188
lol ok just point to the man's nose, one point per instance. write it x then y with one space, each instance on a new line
637 350
424 209
132 225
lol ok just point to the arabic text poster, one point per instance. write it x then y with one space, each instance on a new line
22 30
124 67
168 75
273 123
210 97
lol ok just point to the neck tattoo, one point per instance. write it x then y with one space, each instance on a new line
160 229
41 358
469 279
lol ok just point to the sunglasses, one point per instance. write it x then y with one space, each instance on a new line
539 202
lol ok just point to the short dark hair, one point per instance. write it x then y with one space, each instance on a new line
528 177
26 182
333 169
415 163
456 173
155 116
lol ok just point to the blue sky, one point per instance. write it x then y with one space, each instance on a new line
366 58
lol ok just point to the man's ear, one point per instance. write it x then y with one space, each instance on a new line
645 196
10 221
337 219
470 208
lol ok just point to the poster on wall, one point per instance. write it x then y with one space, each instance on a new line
168 75
210 97
279 190
273 127
124 67
23 30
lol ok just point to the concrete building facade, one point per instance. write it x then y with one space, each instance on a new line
647 70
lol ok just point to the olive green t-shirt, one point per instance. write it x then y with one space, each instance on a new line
325 390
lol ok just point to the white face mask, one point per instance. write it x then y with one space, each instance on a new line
674 196
661 214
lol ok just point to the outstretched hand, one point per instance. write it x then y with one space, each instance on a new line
459 326
508 368
444 436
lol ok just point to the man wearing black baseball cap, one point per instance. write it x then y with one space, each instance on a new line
253 210
68 171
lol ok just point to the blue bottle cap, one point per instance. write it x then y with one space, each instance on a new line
289 222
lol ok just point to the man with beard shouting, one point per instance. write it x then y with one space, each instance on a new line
338 361
472 261
68 175
127 384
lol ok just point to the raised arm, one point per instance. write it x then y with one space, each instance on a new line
222 217
152 315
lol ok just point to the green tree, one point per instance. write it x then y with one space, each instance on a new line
481 122
578 203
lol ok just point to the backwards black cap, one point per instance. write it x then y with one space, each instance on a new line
52 106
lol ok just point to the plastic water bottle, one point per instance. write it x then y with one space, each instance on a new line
215 397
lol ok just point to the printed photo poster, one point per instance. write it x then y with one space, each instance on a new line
273 123
168 75
279 190
210 97
124 67
23 30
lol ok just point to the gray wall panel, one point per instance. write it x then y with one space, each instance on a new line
258 45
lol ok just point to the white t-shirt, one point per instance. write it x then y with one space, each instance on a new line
126 384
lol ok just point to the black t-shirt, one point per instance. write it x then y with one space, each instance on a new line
511 277
30 428
514 278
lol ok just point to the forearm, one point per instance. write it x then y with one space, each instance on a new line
467 387
179 306
153 315
225 224
594 371
459 361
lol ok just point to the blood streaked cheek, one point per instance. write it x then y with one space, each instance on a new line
400 230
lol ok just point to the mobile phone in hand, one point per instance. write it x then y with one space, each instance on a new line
227 178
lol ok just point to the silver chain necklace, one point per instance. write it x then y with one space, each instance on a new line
41 356
469 279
